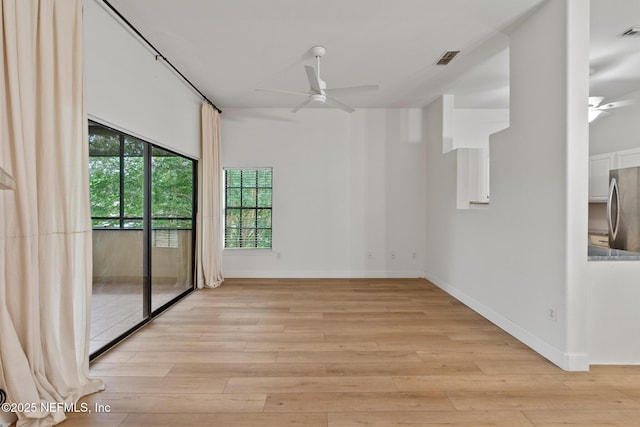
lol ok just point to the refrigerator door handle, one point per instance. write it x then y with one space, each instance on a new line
613 203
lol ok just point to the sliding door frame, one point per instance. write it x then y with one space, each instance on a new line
147 276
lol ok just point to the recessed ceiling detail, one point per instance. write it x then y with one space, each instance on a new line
447 57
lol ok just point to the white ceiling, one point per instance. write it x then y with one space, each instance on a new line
615 60
230 48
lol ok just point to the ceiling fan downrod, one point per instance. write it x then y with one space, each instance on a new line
318 52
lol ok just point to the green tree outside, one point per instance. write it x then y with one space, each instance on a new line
171 183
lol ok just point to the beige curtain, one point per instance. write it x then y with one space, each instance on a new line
209 222
45 225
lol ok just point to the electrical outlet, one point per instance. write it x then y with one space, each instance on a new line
393 254
552 314
370 255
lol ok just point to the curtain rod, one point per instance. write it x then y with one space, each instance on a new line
159 55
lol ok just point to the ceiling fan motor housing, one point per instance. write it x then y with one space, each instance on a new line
318 50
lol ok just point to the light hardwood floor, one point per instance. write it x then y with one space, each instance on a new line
344 353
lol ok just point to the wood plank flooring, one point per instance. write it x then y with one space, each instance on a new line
343 353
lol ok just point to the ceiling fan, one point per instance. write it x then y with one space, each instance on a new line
599 108
318 92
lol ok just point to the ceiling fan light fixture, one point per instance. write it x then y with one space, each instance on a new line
318 98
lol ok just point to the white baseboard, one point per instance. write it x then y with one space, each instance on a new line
616 362
566 361
576 362
321 274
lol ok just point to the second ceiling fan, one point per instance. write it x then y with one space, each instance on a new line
318 92
599 108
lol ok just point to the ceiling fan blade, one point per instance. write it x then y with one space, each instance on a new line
288 92
314 80
594 101
352 90
339 104
615 104
301 106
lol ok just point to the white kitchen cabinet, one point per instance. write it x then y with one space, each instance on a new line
472 177
601 164
627 158
599 167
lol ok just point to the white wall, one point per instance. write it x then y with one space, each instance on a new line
131 91
348 190
512 262
614 317
472 126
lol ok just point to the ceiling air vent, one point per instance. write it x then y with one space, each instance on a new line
447 57
631 32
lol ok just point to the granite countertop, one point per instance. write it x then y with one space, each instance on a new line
597 253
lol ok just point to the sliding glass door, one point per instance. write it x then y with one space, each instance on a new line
172 178
143 215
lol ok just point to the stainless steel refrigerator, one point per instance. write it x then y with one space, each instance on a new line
623 209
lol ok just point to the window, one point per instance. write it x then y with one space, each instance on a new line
247 215
116 179
116 175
